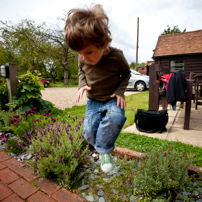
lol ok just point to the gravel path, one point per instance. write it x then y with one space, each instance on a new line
65 97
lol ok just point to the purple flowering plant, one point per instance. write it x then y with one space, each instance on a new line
56 140
22 125
58 149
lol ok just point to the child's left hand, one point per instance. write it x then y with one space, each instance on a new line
120 101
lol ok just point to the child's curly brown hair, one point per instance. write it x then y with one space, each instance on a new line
87 26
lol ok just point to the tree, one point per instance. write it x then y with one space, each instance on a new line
175 29
35 46
133 65
25 43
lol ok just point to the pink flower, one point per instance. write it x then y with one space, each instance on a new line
12 121
15 138
16 116
53 119
4 140
37 120
2 136
17 121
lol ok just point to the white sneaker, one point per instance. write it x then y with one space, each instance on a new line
106 162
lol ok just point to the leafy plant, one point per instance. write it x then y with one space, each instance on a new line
162 174
58 150
5 117
3 97
26 122
29 94
14 146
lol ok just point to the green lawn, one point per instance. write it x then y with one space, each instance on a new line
140 142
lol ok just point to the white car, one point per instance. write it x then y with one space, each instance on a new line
138 81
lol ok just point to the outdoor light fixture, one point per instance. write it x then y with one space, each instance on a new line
4 71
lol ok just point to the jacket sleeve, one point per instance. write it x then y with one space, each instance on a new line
81 75
125 76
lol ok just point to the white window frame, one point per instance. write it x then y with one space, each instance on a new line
176 65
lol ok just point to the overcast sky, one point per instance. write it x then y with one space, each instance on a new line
154 16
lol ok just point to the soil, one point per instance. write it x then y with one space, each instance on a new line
65 97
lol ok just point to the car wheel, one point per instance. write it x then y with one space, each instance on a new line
140 86
45 85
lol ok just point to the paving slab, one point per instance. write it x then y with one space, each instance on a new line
23 188
8 176
5 191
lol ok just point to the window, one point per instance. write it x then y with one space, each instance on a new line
176 65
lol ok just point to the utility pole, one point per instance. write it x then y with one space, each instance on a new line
137 43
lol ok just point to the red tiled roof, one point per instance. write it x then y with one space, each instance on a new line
179 44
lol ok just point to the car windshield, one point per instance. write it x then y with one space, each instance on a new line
135 72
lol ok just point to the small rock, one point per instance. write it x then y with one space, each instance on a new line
29 156
91 177
99 186
89 198
107 179
83 187
101 199
185 193
96 156
196 184
195 193
96 171
13 154
81 174
101 192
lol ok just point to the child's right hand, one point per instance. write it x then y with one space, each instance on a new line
81 91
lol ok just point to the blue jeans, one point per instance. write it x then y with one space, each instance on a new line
102 124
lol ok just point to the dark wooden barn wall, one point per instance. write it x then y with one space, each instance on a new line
192 63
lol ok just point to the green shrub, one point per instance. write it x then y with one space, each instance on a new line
5 117
3 97
14 146
29 94
58 150
162 174
26 122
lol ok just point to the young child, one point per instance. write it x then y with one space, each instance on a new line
103 74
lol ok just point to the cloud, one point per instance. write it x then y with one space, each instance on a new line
154 16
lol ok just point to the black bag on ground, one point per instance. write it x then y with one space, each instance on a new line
151 121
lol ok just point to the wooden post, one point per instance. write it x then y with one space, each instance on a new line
153 90
189 84
12 81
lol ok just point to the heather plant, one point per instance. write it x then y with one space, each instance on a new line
161 174
58 150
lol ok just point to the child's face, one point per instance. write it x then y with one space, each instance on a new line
91 54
